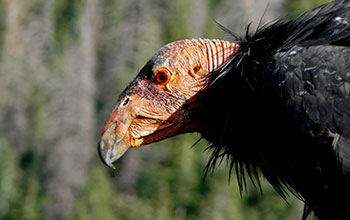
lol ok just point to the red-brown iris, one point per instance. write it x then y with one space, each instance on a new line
162 76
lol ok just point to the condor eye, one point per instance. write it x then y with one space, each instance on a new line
162 77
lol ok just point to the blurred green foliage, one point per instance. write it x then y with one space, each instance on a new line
167 181
174 188
20 196
298 7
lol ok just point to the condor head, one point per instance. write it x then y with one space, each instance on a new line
162 100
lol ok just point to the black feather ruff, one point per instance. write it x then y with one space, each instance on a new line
242 131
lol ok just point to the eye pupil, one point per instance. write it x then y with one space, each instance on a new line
162 77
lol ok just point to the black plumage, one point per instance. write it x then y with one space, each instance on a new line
279 105
289 117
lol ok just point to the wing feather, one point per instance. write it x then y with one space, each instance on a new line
314 83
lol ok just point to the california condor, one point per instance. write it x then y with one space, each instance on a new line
276 102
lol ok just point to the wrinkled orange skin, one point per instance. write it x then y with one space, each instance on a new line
149 111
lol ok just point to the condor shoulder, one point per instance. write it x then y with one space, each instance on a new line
315 83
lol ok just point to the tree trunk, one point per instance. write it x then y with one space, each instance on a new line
72 123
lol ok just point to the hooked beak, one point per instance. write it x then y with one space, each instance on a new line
110 147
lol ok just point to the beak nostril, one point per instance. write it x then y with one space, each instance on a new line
126 101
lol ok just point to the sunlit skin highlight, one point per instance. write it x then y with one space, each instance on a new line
158 102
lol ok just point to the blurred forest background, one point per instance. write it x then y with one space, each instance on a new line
62 66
